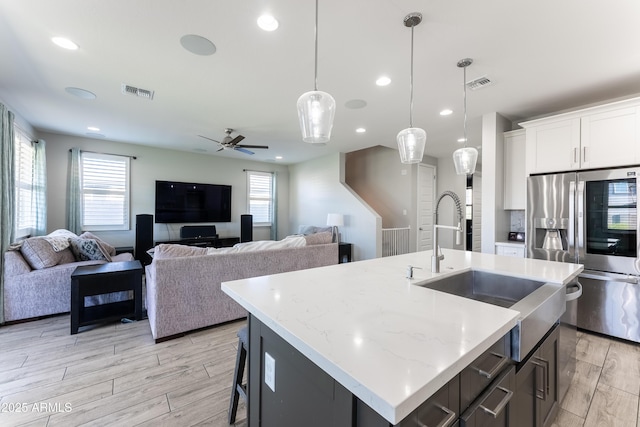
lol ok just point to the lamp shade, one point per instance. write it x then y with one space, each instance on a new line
316 110
411 143
335 220
465 160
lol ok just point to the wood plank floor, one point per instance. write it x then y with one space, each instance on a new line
115 375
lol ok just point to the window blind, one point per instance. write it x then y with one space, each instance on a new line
24 173
105 191
260 197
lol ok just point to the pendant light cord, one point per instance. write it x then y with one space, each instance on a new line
411 84
315 81
464 85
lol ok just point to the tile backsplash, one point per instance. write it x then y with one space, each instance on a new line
518 222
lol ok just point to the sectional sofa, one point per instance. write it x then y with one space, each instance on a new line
183 283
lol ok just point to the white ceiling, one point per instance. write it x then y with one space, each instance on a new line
543 56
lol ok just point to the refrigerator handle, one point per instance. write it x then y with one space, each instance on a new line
572 217
580 220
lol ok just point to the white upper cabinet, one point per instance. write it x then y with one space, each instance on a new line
596 137
515 178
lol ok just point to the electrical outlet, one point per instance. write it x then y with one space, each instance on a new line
270 371
404 211
403 172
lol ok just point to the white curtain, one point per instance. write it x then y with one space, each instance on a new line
7 186
39 193
74 207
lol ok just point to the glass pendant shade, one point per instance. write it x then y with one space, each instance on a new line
316 110
465 160
411 143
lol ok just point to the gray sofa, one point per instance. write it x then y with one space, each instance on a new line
37 280
183 284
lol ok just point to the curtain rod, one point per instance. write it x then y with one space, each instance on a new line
97 152
252 170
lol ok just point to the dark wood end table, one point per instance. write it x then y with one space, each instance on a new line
104 279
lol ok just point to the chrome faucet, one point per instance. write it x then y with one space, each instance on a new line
437 253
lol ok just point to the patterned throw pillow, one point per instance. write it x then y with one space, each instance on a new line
111 250
88 250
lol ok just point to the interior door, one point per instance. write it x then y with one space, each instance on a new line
426 200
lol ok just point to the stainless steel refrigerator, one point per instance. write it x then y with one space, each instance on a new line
591 218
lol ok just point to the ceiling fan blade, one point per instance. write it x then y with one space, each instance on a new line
244 150
220 149
210 139
253 146
235 140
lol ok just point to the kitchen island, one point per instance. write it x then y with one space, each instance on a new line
383 338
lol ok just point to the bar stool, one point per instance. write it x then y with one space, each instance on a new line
239 389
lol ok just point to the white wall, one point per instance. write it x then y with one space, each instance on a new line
447 212
495 220
317 188
160 164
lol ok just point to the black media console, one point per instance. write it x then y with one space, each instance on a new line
205 242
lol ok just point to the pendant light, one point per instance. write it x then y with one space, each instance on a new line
316 109
411 141
465 158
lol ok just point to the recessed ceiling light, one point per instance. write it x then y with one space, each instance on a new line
355 104
278 157
446 112
361 130
198 45
383 81
268 22
64 43
462 140
80 93
93 128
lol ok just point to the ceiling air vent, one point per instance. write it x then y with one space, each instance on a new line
140 93
478 83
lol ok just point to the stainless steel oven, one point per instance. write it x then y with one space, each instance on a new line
591 218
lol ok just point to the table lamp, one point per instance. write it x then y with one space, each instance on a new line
334 220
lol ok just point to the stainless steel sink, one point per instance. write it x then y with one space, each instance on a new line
540 304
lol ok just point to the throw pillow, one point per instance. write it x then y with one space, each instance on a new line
88 250
319 238
111 250
39 253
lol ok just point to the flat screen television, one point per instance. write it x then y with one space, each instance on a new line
181 202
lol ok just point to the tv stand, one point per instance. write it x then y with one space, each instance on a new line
205 242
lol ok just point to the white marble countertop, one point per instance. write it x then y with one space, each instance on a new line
389 342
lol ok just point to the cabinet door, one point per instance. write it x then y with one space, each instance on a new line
525 401
548 355
553 147
611 138
515 178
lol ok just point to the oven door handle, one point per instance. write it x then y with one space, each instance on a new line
609 277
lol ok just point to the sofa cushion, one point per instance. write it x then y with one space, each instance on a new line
311 229
88 250
168 250
39 253
111 250
319 238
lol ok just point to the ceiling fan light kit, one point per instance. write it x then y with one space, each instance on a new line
465 159
316 109
411 141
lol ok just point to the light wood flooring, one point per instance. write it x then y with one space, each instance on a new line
116 375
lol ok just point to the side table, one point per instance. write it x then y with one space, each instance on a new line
104 279
344 252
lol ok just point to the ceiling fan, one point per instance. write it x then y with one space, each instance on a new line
232 143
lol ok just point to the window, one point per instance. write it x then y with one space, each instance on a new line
105 191
261 192
24 174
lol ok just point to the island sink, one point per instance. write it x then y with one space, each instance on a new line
540 304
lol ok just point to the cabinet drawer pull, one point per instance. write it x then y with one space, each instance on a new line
542 393
496 369
498 409
449 419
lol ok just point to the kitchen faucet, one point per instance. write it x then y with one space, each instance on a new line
436 258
